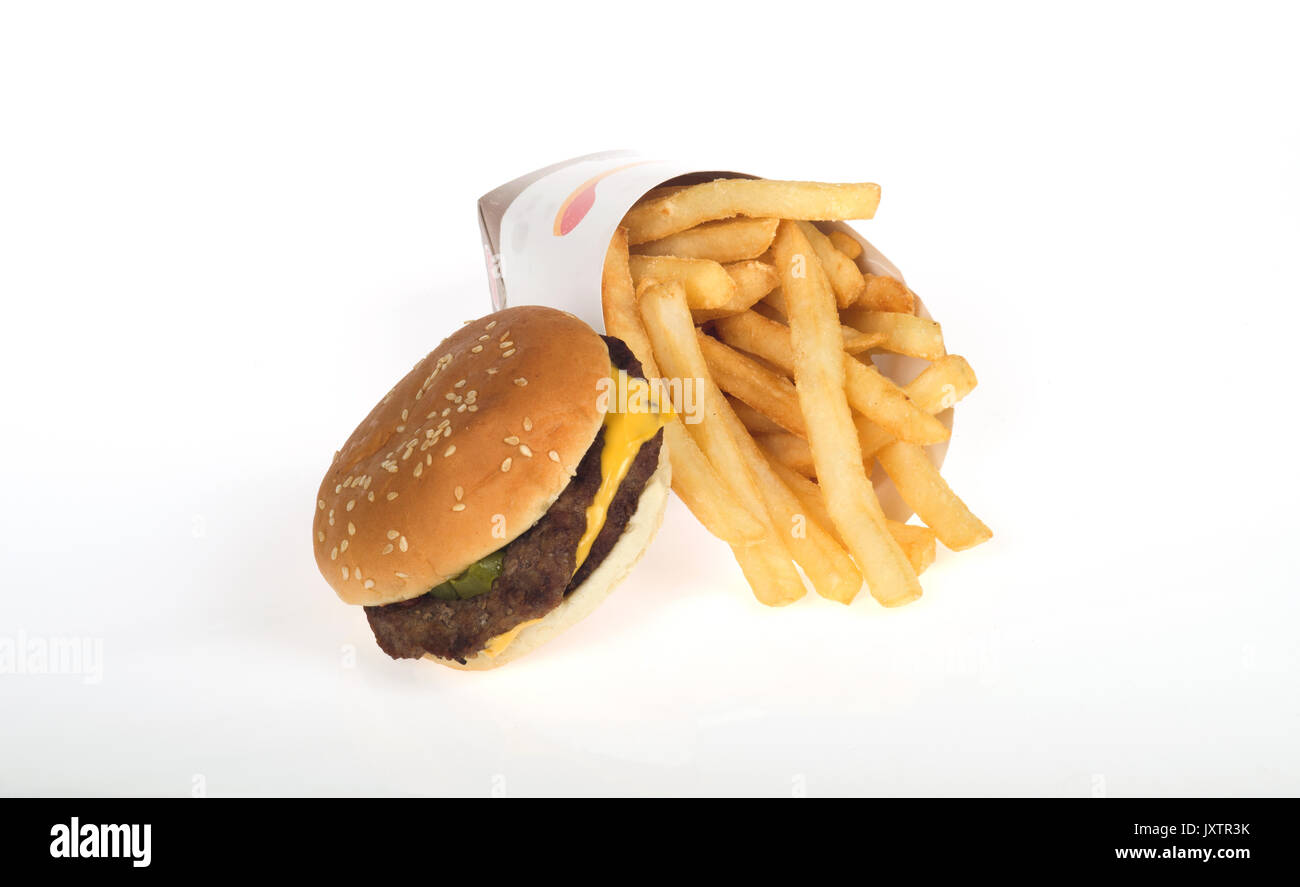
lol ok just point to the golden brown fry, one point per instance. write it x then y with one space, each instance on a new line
708 285
756 198
618 303
754 421
819 363
754 280
939 387
768 564
903 333
883 293
732 240
928 494
827 566
790 450
917 542
846 244
869 392
693 479
846 280
744 378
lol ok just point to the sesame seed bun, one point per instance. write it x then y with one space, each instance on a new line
580 602
462 456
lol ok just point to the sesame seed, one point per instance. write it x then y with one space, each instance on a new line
472 408
476 349
352 528
447 452
406 455
449 396
345 572
320 537
460 384
461 408
521 381
459 506
553 456
401 543
352 503
393 534
419 468
401 575
338 488
505 335
505 466
459 493
391 496
357 571
528 424
512 440
523 448
343 546
371 496
507 353
320 503
484 337
504 345
388 549
428 458
334 554
492 371
405 413
446 411
491 324
370 583
400 428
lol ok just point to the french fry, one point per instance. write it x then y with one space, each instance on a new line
883 293
768 564
756 198
825 563
917 542
846 280
845 244
903 333
707 284
772 306
869 392
733 240
928 494
753 420
819 363
753 280
771 394
940 385
693 479
790 450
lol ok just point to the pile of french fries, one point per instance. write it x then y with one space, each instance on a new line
730 287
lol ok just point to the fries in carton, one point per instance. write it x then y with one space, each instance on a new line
545 235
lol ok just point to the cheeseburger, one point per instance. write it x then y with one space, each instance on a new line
497 493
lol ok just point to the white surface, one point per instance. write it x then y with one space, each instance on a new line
224 234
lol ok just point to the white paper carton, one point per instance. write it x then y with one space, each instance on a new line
545 236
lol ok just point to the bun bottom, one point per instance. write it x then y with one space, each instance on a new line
584 599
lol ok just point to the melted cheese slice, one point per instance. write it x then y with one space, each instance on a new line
633 417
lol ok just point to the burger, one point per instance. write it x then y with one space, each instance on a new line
497 494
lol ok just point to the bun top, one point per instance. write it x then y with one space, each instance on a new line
462 456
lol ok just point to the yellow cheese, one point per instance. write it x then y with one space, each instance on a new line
633 417
496 645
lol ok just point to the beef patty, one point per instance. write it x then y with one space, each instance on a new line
537 570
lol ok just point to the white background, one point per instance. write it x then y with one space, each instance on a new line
226 229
